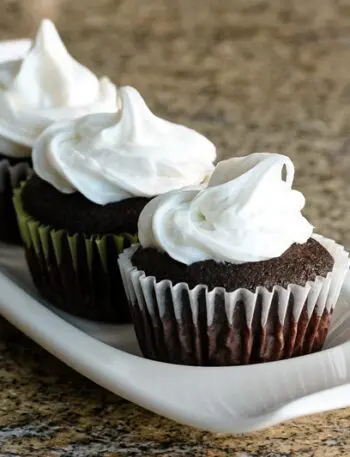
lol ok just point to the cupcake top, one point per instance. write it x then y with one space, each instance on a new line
248 213
48 85
113 157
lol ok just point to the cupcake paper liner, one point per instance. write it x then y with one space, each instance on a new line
76 273
10 177
176 324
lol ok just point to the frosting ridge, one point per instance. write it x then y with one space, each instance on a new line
48 85
113 156
249 212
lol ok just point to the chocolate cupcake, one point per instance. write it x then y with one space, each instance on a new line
231 274
46 86
93 177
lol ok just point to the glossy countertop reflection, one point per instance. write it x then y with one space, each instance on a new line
252 75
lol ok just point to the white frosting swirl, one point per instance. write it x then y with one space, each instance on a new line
8 69
248 213
111 157
48 85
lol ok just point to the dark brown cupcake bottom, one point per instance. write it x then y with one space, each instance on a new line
165 337
76 273
12 172
178 323
94 293
184 342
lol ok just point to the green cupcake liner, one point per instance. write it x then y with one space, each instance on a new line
12 172
76 273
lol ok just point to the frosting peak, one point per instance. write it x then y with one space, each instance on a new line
132 153
249 212
56 79
47 86
134 120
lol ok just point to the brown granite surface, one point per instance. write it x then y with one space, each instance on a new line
251 74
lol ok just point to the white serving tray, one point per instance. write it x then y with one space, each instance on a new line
227 399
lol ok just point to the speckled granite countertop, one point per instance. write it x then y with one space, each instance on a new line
253 75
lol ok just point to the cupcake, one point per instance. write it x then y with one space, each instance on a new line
46 86
93 176
232 274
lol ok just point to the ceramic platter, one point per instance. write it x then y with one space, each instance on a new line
227 399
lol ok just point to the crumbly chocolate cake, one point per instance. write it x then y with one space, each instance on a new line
299 264
76 214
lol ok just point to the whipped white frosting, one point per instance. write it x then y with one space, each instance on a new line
133 153
48 85
249 212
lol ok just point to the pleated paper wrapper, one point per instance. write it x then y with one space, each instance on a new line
176 324
10 177
76 273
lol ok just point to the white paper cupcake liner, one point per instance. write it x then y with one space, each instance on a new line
196 326
10 177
